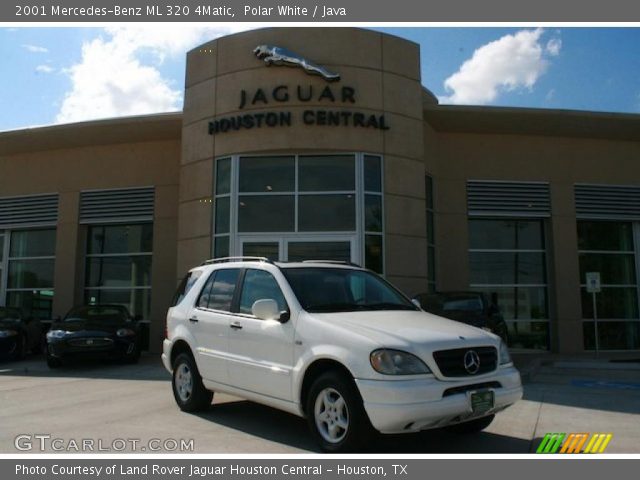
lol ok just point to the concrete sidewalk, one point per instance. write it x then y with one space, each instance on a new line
135 401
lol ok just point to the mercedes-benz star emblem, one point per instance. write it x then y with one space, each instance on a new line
472 362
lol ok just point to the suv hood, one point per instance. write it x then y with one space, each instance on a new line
398 328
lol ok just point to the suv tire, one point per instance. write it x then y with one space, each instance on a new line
188 390
335 413
472 426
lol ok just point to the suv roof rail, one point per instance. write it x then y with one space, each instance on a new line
336 262
236 259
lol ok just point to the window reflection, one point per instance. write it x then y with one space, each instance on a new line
118 266
507 261
608 247
30 276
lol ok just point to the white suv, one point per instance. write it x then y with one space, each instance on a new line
334 343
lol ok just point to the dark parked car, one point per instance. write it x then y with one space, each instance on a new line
472 308
94 331
18 334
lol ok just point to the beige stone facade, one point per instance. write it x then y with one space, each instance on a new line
176 154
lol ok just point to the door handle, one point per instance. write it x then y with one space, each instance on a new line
236 325
193 319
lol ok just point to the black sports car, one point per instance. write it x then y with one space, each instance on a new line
94 331
472 308
18 335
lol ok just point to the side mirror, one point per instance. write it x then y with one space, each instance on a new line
416 302
266 309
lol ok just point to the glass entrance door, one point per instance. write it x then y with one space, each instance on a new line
298 251
261 248
292 248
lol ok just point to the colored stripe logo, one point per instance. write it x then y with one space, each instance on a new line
574 443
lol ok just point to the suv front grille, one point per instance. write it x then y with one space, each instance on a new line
452 362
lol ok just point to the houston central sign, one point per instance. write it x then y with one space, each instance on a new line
341 97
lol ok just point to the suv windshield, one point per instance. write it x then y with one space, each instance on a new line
323 290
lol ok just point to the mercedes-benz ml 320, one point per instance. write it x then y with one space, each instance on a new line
334 343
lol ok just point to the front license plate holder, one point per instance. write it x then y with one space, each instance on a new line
481 401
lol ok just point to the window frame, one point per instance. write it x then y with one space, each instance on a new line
432 271
517 286
234 235
5 289
88 256
635 251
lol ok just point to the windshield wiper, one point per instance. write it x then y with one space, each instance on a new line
353 307
389 306
334 307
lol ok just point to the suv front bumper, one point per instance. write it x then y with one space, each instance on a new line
399 406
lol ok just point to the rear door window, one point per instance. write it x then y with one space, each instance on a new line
185 285
222 289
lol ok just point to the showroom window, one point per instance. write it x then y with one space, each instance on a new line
222 208
30 261
507 259
298 207
610 248
431 239
3 269
118 266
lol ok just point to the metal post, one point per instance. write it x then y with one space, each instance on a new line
595 322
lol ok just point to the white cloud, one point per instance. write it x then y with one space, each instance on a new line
553 47
118 73
35 48
44 69
512 62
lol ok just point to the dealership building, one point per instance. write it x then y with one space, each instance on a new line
336 151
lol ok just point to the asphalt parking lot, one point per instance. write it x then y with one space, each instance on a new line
118 407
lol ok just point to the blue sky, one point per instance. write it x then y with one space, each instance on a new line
60 74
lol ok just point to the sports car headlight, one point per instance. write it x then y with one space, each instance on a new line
8 333
125 332
397 362
51 334
504 354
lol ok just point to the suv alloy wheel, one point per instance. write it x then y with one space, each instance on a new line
335 413
188 390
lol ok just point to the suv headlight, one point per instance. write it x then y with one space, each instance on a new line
397 362
52 334
8 333
505 357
